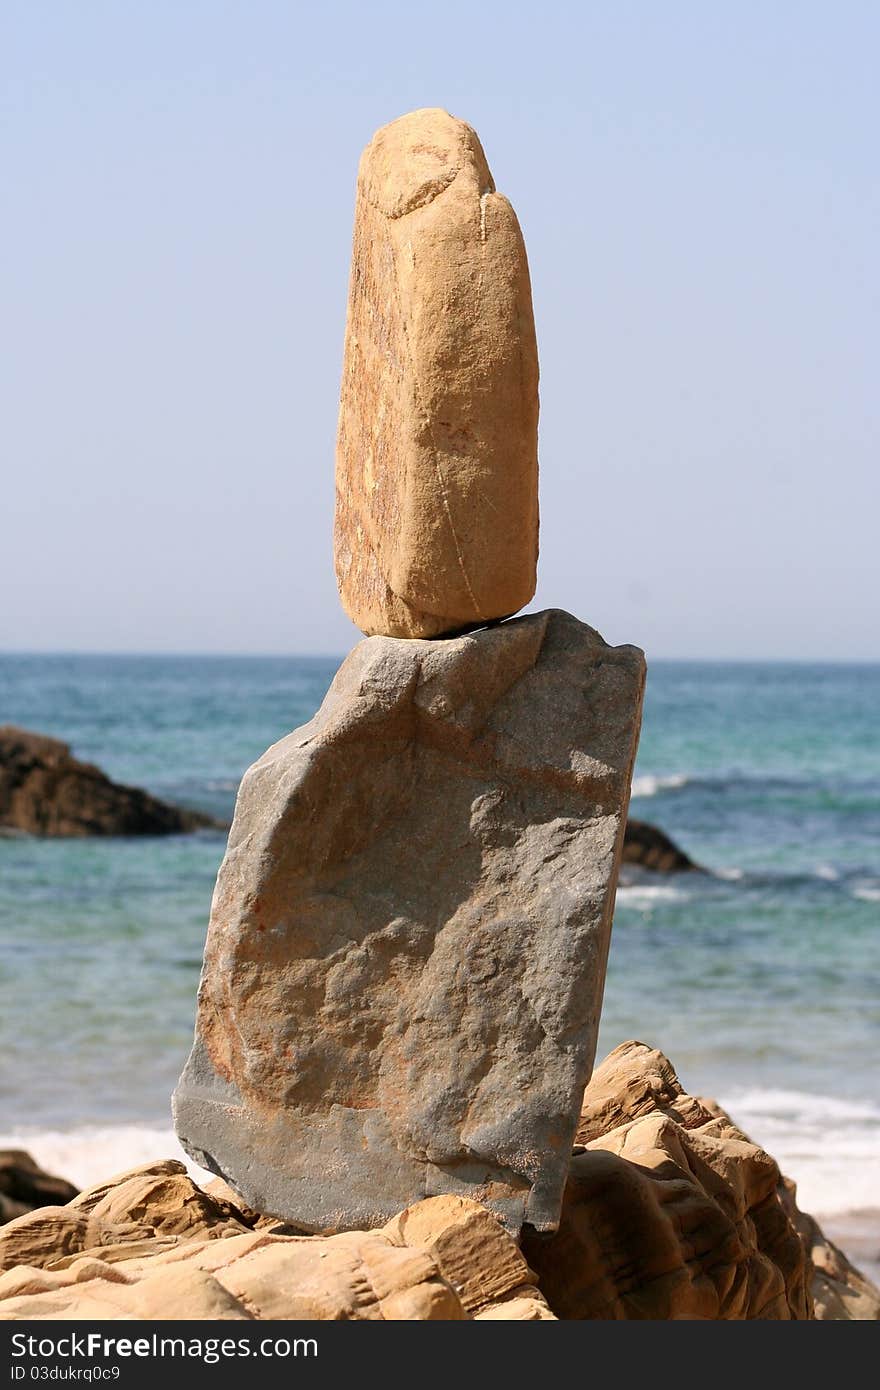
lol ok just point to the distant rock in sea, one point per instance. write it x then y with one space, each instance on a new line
24 1186
649 848
44 790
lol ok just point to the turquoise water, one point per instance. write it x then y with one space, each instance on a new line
761 980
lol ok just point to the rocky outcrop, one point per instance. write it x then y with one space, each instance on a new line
649 848
24 1185
406 956
44 790
150 1244
436 464
841 1293
670 1213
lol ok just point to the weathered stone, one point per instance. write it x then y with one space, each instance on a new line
355 1276
631 1082
221 1190
436 462
841 1293
43 1235
475 1254
669 1212
183 1294
405 962
90 1197
166 1205
144 1212
45 790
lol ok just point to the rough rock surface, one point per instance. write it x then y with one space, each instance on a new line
841 1293
649 848
436 463
24 1186
151 1244
475 1255
406 956
44 790
670 1211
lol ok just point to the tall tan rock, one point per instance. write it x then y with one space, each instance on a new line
436 463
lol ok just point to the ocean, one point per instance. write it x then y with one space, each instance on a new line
760 979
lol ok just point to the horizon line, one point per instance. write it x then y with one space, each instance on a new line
340 657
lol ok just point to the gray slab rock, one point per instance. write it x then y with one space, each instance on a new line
405 962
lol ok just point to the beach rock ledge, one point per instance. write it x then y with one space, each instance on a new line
670 1212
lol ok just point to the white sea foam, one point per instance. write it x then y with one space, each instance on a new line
830 1147
867 890
92 1153
650 785
827 872
644 896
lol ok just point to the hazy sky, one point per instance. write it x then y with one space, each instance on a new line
697 185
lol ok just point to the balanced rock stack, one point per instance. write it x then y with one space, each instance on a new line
405 962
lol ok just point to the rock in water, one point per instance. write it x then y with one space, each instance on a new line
437 461
648 847
406 957
24 1185
45 790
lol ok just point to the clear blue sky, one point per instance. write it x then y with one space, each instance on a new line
697 184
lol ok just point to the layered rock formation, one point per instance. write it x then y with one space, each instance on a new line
436 465
44 790
406 957
841 1293
151 1244
670 1212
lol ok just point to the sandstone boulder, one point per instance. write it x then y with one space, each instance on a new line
669 1211
436 463
452 1261
44 790
165 1205
47 1234
149 1209
406 956
90 1197
841 1293
476 1255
